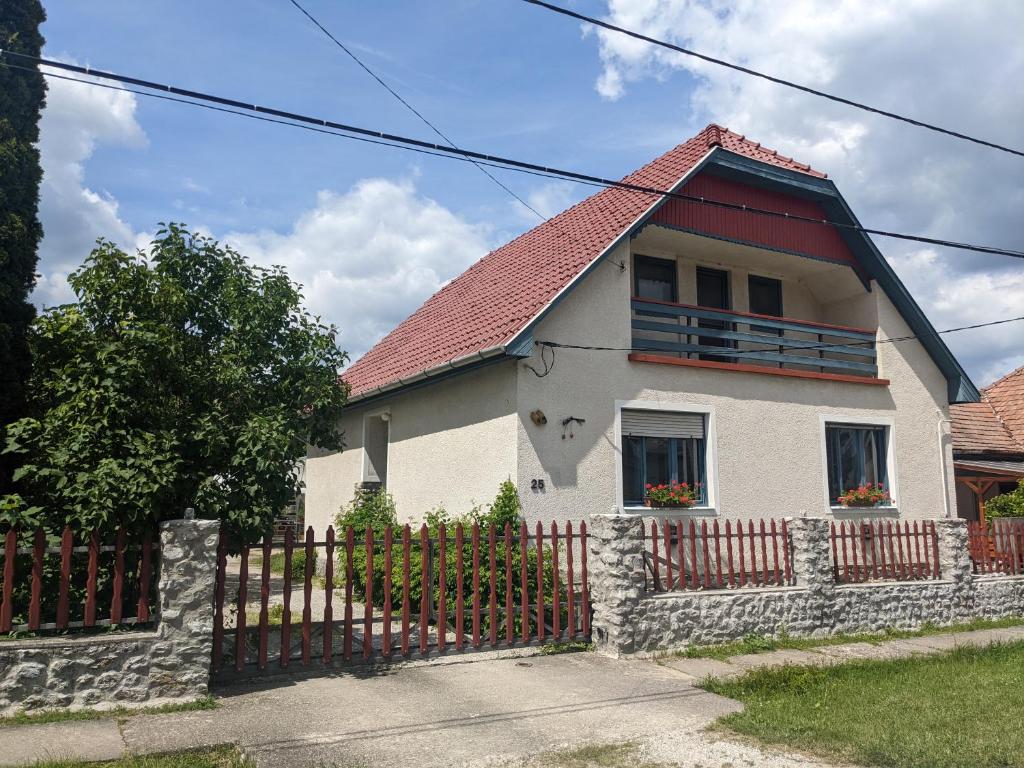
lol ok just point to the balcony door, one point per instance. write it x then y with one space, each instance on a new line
713 293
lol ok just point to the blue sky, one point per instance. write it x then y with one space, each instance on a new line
373 231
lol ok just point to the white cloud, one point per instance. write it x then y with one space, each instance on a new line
78 118
942 61
369 256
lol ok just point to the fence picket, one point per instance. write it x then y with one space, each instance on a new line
117 593
667 535
36 599
654 556
785 552
90 580
368 601
145 568
307 600
859 576
243 587
764 555
718 555
459 596
680 557
218 601
426 588
350 536
509 616
775 553
739 539
524 587
695 577
442 587
706 553
584 579
556 610
753 553
539 539
64 591
476 585
284 653
385 639
728 550
328 650
264 630
492 573
405 591
570 596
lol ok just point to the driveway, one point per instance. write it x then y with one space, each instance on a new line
474 713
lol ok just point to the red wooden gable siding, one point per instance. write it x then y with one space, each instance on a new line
817 240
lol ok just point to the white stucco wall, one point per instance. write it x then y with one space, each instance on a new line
769 430
451 444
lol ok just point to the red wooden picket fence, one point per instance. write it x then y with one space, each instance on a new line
487 589
870 550
997 550
687 555
93 584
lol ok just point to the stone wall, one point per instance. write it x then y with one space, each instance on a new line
626 620
170 663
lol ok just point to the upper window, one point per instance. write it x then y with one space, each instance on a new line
662 447
655 279
856 456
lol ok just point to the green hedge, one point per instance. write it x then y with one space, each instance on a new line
376 510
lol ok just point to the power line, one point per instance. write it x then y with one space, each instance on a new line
771 78
234 106
411 108
774 348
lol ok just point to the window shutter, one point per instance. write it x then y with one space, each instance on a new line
662 424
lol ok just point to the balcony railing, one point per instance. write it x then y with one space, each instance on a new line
698 333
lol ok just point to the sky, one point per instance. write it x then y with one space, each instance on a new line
371 232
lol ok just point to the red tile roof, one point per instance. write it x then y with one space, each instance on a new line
493 300
996 424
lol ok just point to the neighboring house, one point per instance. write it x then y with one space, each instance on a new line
716 346
988 445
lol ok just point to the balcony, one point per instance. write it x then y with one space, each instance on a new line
682 334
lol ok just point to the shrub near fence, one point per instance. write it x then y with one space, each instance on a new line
682 555
869 550
76 580
486 586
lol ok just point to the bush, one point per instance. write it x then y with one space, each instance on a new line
376 510
1006 505
298 563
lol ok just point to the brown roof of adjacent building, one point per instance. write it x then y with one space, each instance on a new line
996 424
491 302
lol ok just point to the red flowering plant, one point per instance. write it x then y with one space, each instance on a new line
865 496
671 494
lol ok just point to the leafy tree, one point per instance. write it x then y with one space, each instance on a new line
188 378
22 95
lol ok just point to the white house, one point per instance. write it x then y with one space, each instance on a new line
641 338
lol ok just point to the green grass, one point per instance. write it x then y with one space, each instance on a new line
219 757
764 643
962 709
41 716
565 646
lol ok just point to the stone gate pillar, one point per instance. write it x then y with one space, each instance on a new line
616 580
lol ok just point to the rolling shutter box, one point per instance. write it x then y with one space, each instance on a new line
662 424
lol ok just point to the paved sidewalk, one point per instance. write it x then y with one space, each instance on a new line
695 670
498 713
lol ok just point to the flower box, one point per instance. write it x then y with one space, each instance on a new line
671 496
865 497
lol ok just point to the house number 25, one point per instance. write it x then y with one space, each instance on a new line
537 484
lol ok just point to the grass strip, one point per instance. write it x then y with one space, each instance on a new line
961 709
42 716
218 757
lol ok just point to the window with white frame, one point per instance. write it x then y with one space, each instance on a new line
856 455
662 447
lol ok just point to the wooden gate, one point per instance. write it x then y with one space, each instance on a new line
397 594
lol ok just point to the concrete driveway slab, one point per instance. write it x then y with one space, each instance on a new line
90 740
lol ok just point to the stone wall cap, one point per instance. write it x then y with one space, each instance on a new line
103 639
